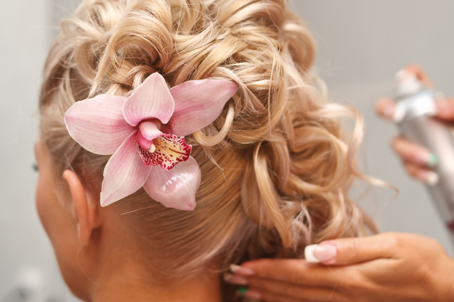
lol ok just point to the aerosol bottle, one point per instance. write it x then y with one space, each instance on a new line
414 114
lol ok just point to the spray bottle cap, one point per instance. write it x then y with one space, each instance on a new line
412 98
408 83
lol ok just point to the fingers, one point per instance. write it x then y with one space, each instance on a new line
421 173
385 108
417 160
290 290
296 271
420 74
445 109
358 250
272 290
414 153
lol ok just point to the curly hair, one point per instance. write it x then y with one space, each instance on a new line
277 164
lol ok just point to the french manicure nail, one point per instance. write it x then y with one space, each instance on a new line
253 294
325 252
428 159
235 279
428 177
318 253
433 160
241 270
227 277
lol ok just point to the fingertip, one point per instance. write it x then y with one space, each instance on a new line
242 270
429 177
344 251
445 109
420 74
309 254
385 107
257 266
325 252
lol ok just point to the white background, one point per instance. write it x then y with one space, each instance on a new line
362 43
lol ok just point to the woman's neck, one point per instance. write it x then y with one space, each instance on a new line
121 270
122 288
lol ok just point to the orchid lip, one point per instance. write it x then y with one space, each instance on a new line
166 150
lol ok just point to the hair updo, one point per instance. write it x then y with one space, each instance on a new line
276 166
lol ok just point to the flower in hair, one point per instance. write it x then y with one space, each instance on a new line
145 133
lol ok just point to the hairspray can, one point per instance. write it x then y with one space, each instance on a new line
414 113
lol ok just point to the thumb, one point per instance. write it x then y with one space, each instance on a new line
385 107
353 250
445 109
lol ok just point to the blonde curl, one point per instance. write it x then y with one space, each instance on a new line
276 165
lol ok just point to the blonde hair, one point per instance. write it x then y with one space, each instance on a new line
276 166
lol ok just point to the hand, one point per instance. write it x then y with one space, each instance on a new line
385 267
417 159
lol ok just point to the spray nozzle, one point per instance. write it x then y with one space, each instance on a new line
413 98
408 82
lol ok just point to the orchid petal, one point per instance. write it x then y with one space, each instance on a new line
175 188
97 124
151 99
124 173
198 104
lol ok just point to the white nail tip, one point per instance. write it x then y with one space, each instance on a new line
227 277
309 253
234 268
432 178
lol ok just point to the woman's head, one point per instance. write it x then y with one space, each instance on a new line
275 168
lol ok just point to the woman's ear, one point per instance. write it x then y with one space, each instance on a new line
86 209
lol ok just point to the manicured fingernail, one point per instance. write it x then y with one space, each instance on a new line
235 279
428 177
242 290
319 253
433 160
241 270
428 159
253 294
227 277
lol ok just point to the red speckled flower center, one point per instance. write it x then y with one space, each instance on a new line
163 149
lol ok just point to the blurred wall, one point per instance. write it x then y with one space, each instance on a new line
362 43
24 42
26 257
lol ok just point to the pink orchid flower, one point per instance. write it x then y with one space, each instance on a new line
142 134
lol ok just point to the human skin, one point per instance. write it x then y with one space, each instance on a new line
101 259
385 267
415 158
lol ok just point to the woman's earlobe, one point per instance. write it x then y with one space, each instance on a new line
86 211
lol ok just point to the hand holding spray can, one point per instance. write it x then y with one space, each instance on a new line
414 113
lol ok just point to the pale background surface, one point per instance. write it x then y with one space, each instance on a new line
362 43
